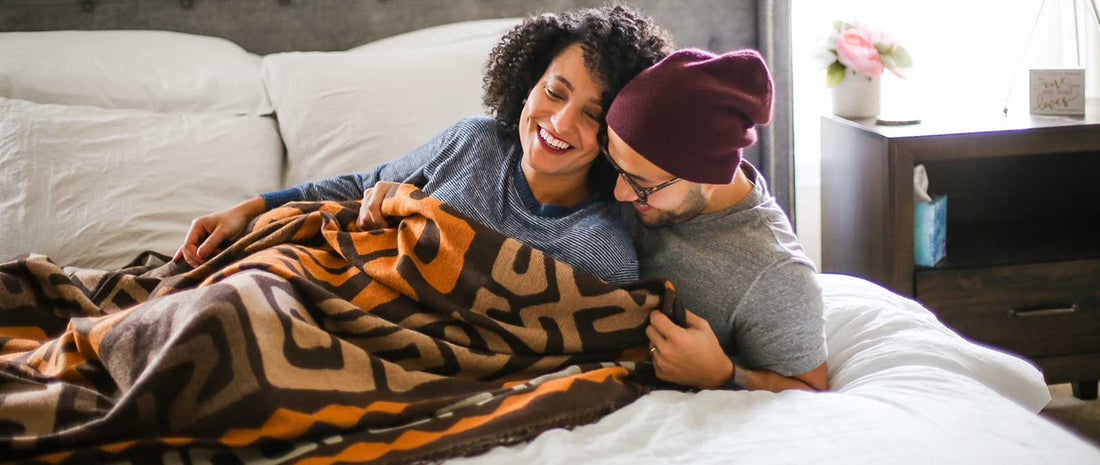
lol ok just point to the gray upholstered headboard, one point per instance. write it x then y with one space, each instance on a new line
266 26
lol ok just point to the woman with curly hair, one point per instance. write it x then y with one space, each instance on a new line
532 171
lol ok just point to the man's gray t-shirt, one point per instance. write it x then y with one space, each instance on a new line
743 270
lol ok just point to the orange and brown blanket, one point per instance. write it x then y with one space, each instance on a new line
310 341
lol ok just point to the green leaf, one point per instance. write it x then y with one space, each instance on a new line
889 61
901 57
834 74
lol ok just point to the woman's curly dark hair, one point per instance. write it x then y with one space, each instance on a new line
618 42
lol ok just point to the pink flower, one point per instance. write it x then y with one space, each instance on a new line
855 49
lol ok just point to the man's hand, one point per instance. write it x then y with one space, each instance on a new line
693 357
688 356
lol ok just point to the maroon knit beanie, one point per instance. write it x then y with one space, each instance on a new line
693 112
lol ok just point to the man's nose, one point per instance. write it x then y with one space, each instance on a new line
623 192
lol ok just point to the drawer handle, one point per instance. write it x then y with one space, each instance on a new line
1041 311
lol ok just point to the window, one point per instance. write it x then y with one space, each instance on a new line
966 54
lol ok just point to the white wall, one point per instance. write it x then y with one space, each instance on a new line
966 54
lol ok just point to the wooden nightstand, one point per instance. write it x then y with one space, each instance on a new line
1022 270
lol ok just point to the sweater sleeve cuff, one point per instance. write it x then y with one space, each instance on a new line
278 198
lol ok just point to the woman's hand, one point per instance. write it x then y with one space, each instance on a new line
370 212
207 232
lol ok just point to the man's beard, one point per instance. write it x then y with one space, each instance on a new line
692 206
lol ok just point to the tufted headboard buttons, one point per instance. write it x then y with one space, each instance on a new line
87 6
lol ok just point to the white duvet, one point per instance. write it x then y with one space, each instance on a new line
905 389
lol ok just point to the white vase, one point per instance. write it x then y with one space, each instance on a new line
857 96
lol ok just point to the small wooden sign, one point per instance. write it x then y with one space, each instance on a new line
1058 91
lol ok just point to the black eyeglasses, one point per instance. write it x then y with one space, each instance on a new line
643 193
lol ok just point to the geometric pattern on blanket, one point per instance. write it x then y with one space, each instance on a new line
311 341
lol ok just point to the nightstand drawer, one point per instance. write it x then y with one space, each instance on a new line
1036 310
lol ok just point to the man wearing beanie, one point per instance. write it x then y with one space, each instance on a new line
703 218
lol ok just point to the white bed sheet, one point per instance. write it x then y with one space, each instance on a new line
905 389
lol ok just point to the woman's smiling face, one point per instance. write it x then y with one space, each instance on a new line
560 122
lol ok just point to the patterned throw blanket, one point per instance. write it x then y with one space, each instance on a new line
310 341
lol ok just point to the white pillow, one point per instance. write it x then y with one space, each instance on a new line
342 112
873 333
146 70
444 35
92 187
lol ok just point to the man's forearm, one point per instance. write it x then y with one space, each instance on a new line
767 380
756 380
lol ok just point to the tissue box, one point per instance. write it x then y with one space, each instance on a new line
930 236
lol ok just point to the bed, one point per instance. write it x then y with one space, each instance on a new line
149 129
